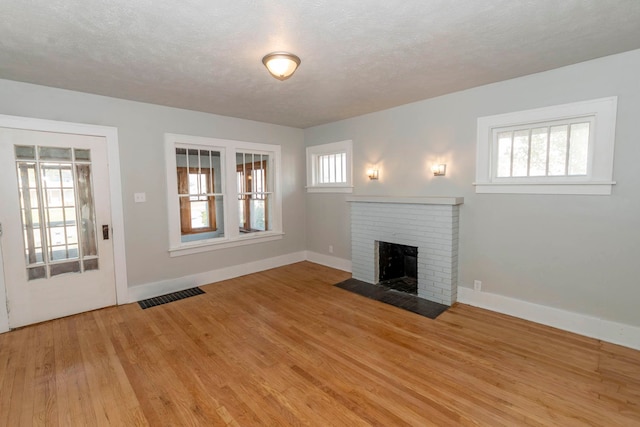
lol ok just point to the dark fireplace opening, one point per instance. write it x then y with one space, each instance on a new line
398 267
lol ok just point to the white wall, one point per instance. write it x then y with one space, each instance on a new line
141 129
575 253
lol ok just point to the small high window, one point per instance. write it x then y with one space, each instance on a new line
564 149
329 168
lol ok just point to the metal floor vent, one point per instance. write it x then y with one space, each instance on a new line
175 296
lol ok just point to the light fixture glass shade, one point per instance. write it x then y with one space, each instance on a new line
281 65
439 169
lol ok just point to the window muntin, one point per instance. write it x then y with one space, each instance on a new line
329 167
547 150
554 149
215 173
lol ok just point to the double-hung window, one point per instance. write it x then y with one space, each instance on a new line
329 168
254 194
221 193
564 149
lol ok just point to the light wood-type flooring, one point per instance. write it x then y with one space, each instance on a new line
285 347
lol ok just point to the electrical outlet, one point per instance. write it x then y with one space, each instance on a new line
140 197
477 285
330 249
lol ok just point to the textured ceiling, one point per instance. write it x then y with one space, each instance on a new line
357 56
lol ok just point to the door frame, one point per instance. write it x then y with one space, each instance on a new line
117 216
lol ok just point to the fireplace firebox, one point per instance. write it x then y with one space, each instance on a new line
398 267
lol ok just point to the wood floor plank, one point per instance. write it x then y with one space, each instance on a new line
285 347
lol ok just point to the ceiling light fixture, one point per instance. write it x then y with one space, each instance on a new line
281 65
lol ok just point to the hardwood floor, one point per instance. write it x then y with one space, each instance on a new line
284 347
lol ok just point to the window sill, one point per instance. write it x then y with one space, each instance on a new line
206 246
577 188
317 189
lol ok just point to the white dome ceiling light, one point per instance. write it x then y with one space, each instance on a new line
281 65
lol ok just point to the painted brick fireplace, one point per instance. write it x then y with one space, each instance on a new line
428 223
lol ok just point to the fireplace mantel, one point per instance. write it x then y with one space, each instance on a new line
432 200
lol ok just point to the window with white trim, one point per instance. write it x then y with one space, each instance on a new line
564 149
221 193
329 167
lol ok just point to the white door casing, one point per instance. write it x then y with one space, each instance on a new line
116 243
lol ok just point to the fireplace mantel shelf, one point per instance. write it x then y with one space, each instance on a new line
436 200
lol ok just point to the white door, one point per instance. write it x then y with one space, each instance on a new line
54 192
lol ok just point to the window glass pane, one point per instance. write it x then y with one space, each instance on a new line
90 264
201 219
67 177
579 149
257 215
50 175
241 213
193 160
37 272
504 154
69 197
82 154
323 169
216 174
558 150
332 168
25 152
520 153
538 161
86 210
66 267
199 214
54 198
194 184
54 153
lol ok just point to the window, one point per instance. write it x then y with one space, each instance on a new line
58 213
196 176
204 176
564 149
329 168
253 195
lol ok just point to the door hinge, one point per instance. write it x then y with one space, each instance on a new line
0 229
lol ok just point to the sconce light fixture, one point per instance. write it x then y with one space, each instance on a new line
281 65
439 170
372 173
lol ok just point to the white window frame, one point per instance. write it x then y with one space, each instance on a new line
232 236
315 151
599 178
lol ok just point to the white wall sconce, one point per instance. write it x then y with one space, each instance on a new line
439 170
372 173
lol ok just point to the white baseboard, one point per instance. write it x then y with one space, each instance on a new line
329 261
154 289
594 327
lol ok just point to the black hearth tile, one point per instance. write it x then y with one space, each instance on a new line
396 298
